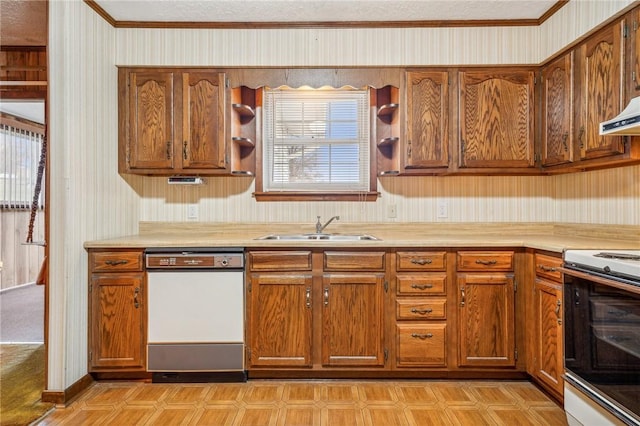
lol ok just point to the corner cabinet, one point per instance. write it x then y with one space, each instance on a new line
172 121
486 309
427 144
557 107
117 311
496 120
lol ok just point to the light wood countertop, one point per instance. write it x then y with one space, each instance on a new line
541 236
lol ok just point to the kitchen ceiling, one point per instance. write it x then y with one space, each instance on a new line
354 13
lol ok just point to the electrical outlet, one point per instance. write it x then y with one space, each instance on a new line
192 211
392 211
443 209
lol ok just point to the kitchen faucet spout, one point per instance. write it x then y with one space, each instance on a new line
320 227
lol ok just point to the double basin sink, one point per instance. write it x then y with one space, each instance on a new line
319 237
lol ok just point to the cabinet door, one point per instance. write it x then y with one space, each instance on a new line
352 320
496 119
116 322
427 120
203 129
557 135
598 92
280 315
549 361
486 320
151 130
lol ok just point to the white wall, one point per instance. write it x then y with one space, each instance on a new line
89 200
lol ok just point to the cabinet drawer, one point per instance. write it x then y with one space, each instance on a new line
102 261
421 308
354 261
280 260
428 284
548 267
421 345
485 260
421 260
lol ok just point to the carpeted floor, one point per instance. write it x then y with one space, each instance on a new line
21 384
22 314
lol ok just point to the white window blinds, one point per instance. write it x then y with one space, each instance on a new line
316 140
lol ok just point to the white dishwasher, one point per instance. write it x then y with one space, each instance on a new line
195 322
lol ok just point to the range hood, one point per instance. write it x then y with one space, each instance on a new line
626 123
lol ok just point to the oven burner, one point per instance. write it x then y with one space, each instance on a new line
619 256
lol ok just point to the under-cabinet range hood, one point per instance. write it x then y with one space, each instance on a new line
626 123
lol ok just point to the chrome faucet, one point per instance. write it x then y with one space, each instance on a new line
320 227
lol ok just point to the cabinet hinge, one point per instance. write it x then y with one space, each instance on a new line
635 25
535 80
386 355
515 286
90 356
226 83
625 31
90 287
386 286
515 354
226 159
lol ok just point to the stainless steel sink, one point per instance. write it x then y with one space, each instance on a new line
320 237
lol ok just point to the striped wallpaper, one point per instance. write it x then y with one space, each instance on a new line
89 200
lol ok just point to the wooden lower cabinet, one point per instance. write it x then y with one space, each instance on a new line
280 323
353 320
117 312
322 310
486 309
548 363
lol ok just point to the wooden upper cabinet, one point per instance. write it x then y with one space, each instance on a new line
632 53
151 126
557 133
171 121
496 118
203 125
598 91
427 143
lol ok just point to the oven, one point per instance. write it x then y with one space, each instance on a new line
602 336
195 324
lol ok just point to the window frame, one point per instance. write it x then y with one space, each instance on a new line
330 195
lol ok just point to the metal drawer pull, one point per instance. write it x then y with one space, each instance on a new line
486 262
326 296
462 298
135 297
116 262
421 261
421 311
547 268
421 286
308 297
421 336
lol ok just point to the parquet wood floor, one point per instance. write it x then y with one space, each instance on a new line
311 403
